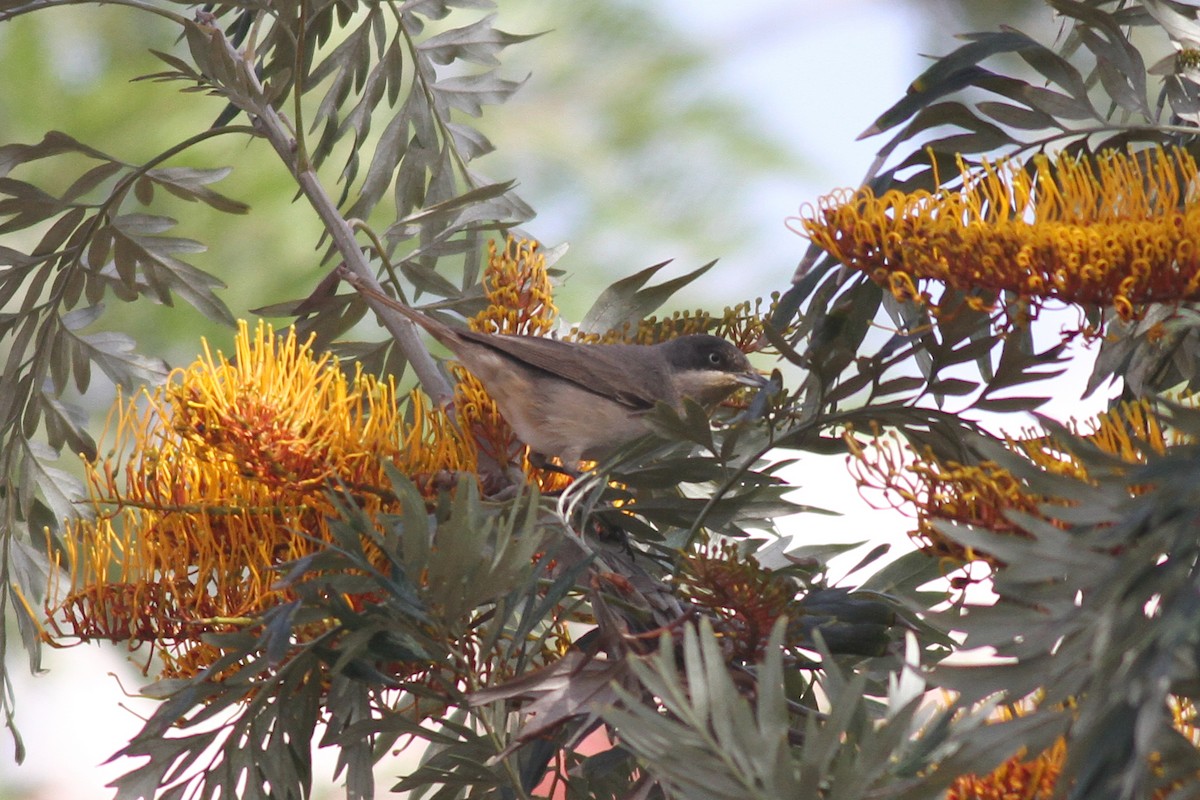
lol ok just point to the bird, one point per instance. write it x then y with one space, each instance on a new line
580 402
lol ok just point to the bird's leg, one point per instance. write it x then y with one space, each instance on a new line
543 463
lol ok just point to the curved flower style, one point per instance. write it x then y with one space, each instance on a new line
981 494
745 598
1116 230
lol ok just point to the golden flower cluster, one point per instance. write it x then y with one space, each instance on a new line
520 301
982 494
1018 778
220 476
744 598
1118 230
741 324
1023 777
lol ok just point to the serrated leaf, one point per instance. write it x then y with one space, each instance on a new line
190 183
116 355
447 212
468 141
90 180
62 228
58 488
478 43
81 317
66 424
136 225
53 143
670 472
426 279
470 93
692 425
182 68
1101 33
952 387
1017 116
952 72
904 575
143 190
1008 405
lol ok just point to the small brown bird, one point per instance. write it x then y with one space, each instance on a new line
582 401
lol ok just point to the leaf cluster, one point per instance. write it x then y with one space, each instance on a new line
365 657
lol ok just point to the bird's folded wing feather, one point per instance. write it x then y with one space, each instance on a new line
603 373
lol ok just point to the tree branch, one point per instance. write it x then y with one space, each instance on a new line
279 133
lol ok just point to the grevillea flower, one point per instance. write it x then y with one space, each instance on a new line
1118 230
520 301
213 476
741 324
1035 777
1024 776
981 494
1019 777
742 596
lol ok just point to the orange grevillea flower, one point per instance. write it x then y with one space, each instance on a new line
1018 778
743 597
1035 777
981 494
213 477
1118 230
221 475
1023 776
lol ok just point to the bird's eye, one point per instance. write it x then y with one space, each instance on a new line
714 358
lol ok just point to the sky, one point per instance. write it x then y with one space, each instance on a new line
804 59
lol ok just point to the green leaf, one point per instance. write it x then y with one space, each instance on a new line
627 303
691 426
1017 116
116 355
470 93
189 183
477 43
60 489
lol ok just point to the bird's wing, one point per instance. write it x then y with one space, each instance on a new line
602 372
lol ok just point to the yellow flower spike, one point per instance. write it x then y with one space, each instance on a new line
210 477
1116 231
520 301
1035 777
518 289
931 490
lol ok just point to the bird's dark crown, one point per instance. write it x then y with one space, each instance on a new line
706 353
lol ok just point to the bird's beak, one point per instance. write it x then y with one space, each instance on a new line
755 379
